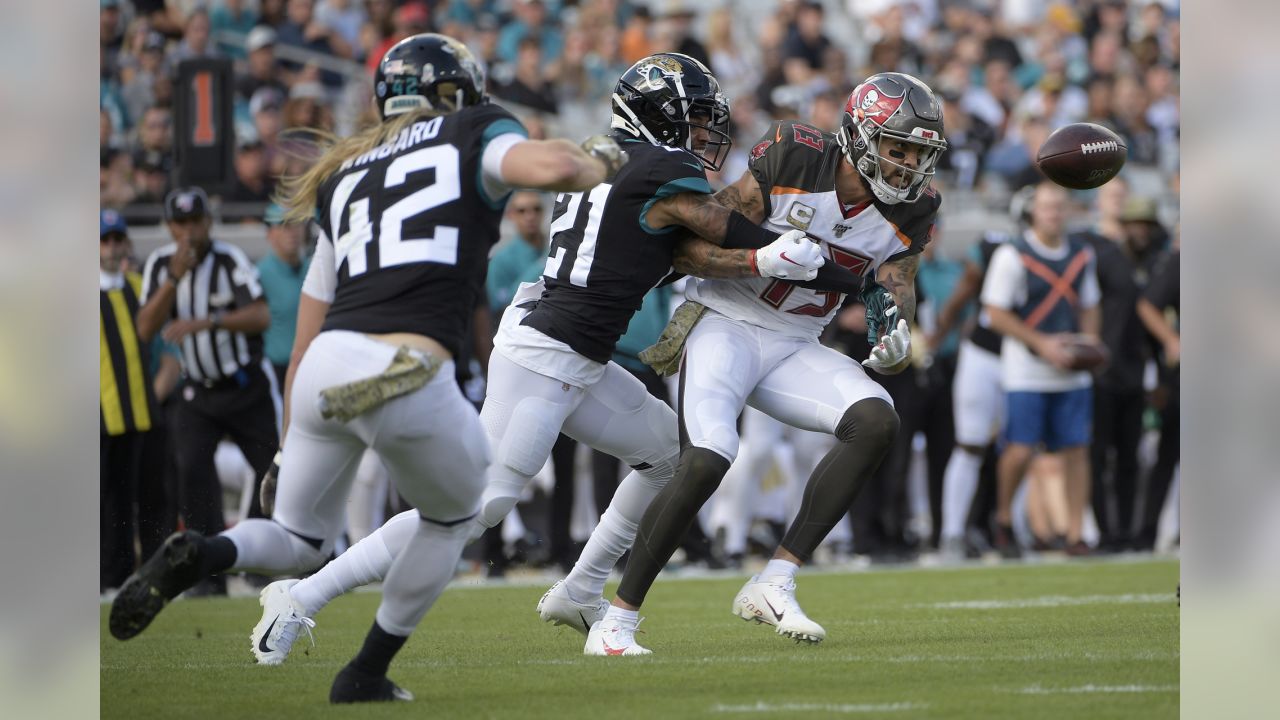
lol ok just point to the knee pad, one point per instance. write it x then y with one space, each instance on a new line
661 470
872 421
526 442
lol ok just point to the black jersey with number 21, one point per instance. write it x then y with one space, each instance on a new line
412 227
604 257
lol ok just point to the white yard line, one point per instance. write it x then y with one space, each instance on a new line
764 707
1049 601
1089 689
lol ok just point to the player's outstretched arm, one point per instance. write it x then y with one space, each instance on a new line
556 165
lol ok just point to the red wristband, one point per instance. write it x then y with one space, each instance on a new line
752 259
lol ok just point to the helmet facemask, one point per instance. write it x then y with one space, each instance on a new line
865 154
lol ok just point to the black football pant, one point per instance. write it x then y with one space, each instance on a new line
120 458
933 416
205 415
1161 475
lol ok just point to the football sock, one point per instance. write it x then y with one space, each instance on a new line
779 568
668 519
419 574
959 483
379 648
267 547
216 555
630 617
365 562
865 433
615 532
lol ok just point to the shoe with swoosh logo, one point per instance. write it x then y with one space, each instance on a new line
772 601
282 620
611 636
558 608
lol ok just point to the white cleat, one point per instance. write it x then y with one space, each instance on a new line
613 637
558 608
282 619
772 601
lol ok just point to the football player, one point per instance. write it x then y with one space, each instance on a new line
864 192
407 212
550 371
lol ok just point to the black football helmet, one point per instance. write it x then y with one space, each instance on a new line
664 97
427 71
899 107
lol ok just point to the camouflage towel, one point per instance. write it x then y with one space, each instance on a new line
664 356
882 311
408 371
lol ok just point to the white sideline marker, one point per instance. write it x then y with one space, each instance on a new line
764 707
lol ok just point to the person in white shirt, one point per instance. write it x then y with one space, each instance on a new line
1040 290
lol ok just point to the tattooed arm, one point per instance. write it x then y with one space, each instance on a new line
699 213
703 259
899 278
745 197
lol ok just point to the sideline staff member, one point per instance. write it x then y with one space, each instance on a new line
206 296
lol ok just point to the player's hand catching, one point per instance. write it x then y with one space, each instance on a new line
608 152
892 352
267 492
793 256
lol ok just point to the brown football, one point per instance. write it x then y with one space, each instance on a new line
1082 156
1087 353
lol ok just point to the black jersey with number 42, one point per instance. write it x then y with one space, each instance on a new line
412 227
604 257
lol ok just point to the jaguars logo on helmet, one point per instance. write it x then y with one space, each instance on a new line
428 71
674 100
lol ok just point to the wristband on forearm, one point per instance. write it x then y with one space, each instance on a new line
742 234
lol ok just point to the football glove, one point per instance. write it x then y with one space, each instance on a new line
881 310
607 151
793 256
267 492
893 349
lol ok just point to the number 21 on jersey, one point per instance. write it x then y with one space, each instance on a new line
575 225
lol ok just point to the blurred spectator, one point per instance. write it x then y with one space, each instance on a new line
531 20
968 140
1124 266
893 51
155 139
344 17
676 32
1129 117
302 30
736 71
1040 289
230 22
1159 309
115 179
195 39
521 258
1014 159
635 36
147 70
805 45
127 402
409 19
272 12
253 183
468 12
110 35
995 45
528 88
159 15
151 174
307 107
265 110
282 271
262 69
218 325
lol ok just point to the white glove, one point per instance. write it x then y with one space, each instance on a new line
793 256
892 350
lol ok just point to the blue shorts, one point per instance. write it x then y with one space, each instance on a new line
1057 419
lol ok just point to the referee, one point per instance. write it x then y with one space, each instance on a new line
206 296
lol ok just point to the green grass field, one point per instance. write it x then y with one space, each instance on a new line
1070 640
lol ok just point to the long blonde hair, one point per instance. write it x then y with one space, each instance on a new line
297 193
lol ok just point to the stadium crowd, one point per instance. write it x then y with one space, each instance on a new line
1008 72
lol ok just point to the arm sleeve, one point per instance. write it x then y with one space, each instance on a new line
501 133
1004 278
672 172
322 276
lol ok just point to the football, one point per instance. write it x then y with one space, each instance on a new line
1087 353
1082 156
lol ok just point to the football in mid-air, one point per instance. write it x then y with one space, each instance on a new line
1082 156
1087 353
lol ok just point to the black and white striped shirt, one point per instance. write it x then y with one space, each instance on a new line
224 281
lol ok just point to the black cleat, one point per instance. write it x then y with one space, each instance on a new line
172 569
353 686
1005 543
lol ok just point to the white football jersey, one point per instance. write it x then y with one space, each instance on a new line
795 167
